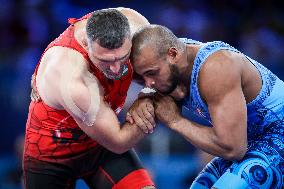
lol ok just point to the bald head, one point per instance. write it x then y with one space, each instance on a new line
156 37
135 19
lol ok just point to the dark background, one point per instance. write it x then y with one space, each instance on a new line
254 27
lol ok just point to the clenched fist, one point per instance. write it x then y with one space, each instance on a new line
166 110
142 114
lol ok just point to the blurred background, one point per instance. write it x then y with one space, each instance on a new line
27 26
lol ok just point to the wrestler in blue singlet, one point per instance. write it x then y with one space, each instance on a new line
263 165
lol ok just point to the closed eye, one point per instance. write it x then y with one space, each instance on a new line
150 73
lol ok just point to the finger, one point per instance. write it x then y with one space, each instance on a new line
149 117
149 125
142 114
33 97
140 123
146 117
129 118
150 108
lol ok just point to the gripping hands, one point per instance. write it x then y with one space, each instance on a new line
144 111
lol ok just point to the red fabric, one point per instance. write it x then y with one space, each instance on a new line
135 180
51 134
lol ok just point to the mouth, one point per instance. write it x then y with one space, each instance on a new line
112 75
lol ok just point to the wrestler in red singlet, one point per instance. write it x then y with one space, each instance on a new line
58 150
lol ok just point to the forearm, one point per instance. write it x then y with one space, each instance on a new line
128 136
113 136
205 138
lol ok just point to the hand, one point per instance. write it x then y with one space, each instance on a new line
166 109
142 114
34 94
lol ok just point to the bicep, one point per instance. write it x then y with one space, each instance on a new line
84 101
228 112
224 97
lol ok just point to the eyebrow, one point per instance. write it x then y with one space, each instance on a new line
121 58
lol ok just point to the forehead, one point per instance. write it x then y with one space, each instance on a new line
104 53
147 59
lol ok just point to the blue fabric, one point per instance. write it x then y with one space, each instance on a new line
236 182
255 171
263 165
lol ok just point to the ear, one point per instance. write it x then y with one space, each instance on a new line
172 54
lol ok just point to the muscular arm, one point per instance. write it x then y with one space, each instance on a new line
69 85
106 128
220 87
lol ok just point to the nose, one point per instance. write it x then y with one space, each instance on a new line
115 67
149 82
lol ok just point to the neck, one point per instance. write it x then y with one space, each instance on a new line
183 88
191 51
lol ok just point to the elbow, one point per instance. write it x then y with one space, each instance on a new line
114 144
118 146
236 153
232 149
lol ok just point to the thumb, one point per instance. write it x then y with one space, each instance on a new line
129 118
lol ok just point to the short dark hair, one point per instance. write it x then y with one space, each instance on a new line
108 27
160 38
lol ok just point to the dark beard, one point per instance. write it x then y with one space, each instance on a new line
108 73
173 80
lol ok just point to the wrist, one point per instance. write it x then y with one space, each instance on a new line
175 123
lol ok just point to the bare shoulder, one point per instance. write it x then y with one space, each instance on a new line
61 58
220 73
136 20
222 63
130 12
58 65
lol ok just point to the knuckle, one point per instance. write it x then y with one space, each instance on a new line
149 126
148 116
145 129
152 123
150 108
139 123
140 113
